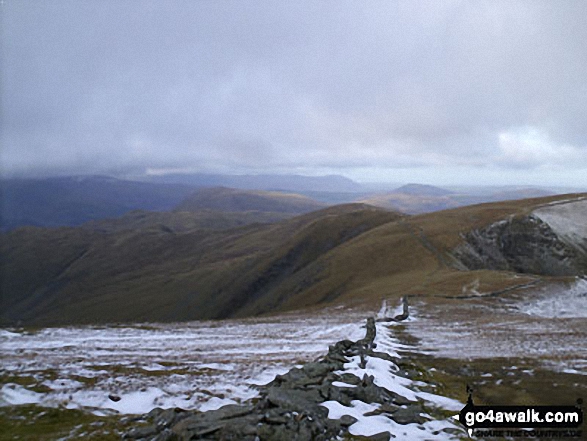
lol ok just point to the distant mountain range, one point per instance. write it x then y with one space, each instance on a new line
72 201
69 201
291 183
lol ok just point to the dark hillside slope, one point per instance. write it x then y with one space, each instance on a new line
85 275
290 268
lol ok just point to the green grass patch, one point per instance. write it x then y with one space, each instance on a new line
31 422
30 382
503 381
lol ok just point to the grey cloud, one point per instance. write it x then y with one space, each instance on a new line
107 85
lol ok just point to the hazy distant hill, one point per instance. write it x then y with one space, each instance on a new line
520 193
422 190
294 183
414 199
418 199
72 201
412 204
350 253
234 200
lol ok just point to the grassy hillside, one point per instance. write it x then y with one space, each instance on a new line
349 253
183 221
83 275
231 200
416 255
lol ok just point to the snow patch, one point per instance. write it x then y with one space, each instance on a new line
14 394
567 303
341 384
9 334
382 371
374 424
567 220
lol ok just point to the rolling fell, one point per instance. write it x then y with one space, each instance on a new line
353 254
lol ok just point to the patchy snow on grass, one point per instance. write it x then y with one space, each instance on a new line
386 374
198 365
546 324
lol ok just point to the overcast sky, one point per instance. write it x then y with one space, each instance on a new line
439 92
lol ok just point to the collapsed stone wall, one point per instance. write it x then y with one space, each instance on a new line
289 408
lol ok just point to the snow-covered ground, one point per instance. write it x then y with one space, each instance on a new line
567 219
555 303
201 365
132 369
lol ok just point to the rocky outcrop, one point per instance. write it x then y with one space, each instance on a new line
289 407
521 244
